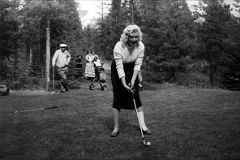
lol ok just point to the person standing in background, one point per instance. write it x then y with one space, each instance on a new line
61 60
79 66
89 70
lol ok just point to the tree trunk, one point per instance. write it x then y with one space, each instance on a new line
47 55
30 56
212 74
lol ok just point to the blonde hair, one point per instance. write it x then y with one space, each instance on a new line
133 28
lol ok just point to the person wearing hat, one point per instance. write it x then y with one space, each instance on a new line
61 60
128 55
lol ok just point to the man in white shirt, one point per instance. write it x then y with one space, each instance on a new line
61 60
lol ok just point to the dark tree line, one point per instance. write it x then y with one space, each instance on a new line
8 33
181 46
23 34
219 44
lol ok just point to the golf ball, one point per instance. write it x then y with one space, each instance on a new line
147 144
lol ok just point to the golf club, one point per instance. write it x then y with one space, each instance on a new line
145 142
32 110
53 84
53 79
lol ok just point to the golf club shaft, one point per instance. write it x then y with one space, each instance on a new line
53 79
138 117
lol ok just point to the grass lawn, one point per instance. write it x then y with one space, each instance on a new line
187 124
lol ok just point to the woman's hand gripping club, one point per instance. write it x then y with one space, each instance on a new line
132 89
127 87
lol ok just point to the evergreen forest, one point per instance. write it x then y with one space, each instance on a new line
196 49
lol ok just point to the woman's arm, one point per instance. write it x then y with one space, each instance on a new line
135 73
138 64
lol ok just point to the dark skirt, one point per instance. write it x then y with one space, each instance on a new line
122 99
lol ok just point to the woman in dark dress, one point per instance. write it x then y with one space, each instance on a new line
128 55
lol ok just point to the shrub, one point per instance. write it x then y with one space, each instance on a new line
192 79
24 82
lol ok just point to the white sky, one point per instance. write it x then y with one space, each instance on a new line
91 10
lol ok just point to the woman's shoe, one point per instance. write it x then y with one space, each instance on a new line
147 132
114 133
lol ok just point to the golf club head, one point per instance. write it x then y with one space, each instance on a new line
145 142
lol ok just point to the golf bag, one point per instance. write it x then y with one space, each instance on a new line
100 78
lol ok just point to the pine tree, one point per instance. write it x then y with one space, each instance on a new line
8 37
213 34
168 30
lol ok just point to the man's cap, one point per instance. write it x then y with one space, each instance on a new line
62 45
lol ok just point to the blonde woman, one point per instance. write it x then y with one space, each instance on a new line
128 55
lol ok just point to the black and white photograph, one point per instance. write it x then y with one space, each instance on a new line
119 79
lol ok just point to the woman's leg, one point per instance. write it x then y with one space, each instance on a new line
141 119
116 119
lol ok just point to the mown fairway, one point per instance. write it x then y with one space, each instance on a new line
187 124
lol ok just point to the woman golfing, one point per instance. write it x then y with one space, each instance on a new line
128 55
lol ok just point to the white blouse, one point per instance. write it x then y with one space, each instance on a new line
121 54
89 58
